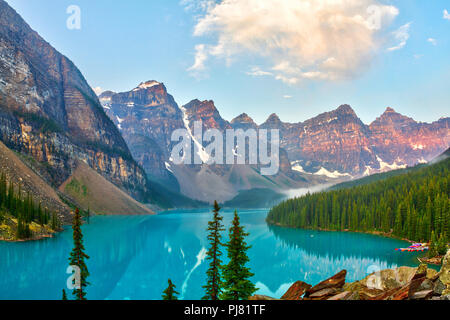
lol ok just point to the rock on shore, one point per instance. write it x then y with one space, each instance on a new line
402 283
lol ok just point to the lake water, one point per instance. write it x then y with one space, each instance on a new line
133 256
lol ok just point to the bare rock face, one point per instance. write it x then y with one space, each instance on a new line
339 141
296 291
389 279
146 117
48 111
398 139
207 113
403 283
327 288
341 296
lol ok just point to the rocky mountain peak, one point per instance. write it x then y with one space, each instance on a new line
147 85
273 122
391 117
243 121
243 118
206 112
106 94
43 88
346 109
147 94
389 110
273 118
197 105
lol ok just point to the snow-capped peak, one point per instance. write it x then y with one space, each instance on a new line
146 85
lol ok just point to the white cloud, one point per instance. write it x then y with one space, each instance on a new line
200 57
401 35
432 41
287 97
446 15
257 72
308 39
98 91
197 5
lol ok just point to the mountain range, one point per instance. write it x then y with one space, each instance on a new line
333 146
80 144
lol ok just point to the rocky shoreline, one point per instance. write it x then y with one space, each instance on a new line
8 231
404 283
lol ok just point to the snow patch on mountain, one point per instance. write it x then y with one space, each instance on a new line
204 156
297 167
422 161
388 167
120 122
418 146
147 85
336 174
168 167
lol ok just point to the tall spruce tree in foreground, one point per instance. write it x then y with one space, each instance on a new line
170 293
237 285
213 286
77 257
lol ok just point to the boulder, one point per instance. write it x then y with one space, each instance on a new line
426 285
258 297
389 279
438 287
432 274
335 282
370 294
296 291
400 294
422 295
444 275
417 280
346 295
323 294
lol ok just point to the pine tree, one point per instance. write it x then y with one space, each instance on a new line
170 293
64 295
398 227
432 250
411 203
237 285
78 256
213 286
441 247
55 225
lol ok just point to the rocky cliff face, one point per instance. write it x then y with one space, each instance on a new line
332 146
396 138
207 113
147 116
338 142
48 111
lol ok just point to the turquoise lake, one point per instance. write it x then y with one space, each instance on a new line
133 256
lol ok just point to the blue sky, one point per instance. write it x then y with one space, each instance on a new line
274 64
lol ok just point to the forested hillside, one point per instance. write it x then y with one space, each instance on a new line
21 217
413 205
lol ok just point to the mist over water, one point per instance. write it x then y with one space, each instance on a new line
133 256
296 193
